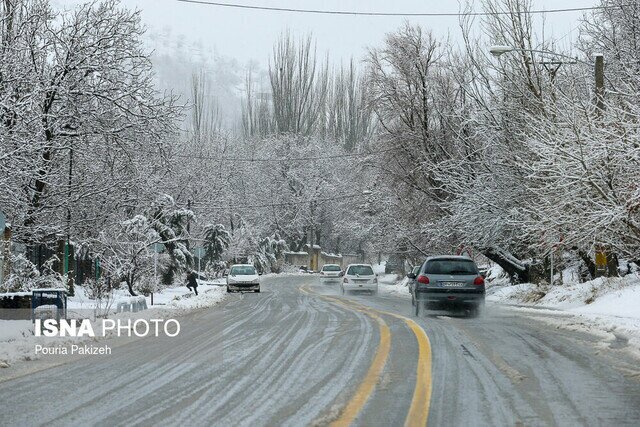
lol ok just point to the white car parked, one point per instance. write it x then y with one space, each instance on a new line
330 273
360 277
243 277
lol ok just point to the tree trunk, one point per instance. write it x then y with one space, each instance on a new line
591 266
520 272
612 265
129 279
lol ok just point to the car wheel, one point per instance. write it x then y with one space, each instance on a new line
257 290
228 290
417 309
413 299
374 293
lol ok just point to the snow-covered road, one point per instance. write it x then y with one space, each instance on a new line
298 354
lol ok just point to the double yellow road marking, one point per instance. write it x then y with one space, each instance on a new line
419 409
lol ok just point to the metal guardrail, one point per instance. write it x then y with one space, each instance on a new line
133 304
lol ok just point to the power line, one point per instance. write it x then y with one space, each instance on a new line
277 159
281 204
425 14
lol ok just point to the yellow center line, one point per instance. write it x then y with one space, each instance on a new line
351 411
419 410
371 379
418 414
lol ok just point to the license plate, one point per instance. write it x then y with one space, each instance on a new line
453 284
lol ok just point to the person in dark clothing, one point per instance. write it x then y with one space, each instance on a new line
192 283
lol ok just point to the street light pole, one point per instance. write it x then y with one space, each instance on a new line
497 51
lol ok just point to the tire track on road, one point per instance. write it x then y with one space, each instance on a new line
418 413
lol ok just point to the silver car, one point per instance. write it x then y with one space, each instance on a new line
330 273
359 277
446 282
242 278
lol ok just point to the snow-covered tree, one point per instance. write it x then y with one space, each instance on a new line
216 242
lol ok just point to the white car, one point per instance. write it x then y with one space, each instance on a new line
360 277
330 273
243 277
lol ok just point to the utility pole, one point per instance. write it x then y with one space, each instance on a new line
551 278
69 258
188 222
599 77
599 60
552 68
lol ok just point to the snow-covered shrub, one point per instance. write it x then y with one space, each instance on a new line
96 289
22 277
100 291
147 285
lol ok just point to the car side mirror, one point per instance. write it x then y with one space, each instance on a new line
341 274
411 276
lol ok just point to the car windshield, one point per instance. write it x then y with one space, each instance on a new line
361 270
451 266
331 268
243 270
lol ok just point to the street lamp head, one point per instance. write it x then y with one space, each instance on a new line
499 50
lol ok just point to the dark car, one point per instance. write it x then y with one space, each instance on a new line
412 281
448 282
393 265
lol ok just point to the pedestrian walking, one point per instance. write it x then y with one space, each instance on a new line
192 282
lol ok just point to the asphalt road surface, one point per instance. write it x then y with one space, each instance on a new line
301 354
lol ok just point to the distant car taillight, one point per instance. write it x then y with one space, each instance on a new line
478 281
423 279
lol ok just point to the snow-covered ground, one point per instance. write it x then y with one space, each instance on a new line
393 284
17 339
603 306
175 297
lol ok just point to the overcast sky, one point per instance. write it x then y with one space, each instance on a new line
249 34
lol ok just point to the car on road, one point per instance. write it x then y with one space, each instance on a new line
394 265
448 282
359 277
243 277
411 276
330 273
